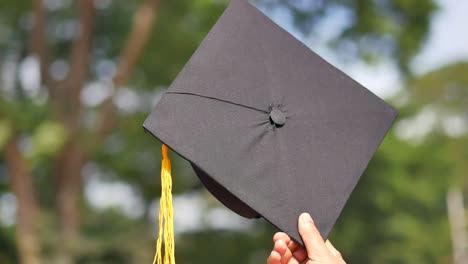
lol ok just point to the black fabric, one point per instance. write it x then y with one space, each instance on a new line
269 124
224 196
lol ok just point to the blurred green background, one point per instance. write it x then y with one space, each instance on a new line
79 179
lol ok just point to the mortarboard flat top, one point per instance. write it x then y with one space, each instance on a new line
271 128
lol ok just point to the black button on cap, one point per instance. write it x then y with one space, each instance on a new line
277 117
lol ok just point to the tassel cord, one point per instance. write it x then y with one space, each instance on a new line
166 214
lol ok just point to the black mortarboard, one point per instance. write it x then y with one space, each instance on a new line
271 129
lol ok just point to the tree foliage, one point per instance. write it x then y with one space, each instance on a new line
394 216
373 30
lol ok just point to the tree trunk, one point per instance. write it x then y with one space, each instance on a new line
68 187
27 208
65 98
67 167
456 214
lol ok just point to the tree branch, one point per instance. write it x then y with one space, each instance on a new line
143 22
67 166
80 57
37 44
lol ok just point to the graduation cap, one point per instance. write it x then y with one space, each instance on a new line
271 129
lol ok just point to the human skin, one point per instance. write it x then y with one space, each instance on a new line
316 251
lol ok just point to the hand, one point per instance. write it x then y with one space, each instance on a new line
286 251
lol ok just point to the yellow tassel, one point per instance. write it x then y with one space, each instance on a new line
166 213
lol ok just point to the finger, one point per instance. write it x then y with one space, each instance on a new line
295 261
286 258
274 258
283 251
280 247
315 246
332 249
293 246
281 236
300 254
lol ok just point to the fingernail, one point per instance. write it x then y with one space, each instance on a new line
306 217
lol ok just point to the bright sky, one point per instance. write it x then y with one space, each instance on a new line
448 41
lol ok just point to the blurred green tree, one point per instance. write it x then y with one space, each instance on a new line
76 78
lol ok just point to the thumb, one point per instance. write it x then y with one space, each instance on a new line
314 244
